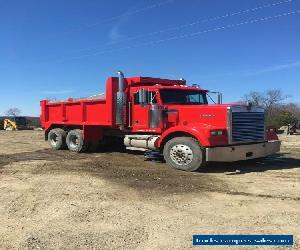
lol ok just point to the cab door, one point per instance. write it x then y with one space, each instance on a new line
140 111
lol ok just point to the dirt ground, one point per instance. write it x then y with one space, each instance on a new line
60 200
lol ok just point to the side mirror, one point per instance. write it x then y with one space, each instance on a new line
219 95
220 98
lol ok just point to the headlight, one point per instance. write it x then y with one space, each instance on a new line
217 132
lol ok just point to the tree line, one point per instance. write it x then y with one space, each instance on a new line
279 112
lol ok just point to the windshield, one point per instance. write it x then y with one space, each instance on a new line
183 97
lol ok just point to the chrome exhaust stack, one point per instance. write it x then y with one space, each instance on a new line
120 102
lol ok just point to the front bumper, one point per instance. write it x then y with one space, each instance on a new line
242 152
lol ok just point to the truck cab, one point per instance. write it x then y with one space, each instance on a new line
162 99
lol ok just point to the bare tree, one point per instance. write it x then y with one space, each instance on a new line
294 108
13 112
273 98
278 113
267 99
256 98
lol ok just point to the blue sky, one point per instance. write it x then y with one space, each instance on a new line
58 49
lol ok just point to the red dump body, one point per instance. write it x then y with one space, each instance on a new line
82 111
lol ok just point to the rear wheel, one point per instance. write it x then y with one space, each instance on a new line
183 153
57 138
75 141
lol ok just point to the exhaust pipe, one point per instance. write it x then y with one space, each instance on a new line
121 81
120 101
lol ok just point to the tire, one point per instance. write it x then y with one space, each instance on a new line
184 153
57 138
75 141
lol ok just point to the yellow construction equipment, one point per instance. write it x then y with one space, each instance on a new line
9 125
15 123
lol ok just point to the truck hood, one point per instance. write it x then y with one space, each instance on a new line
212 116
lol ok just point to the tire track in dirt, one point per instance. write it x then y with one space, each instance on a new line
130 169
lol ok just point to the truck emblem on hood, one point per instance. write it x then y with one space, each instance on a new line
208 115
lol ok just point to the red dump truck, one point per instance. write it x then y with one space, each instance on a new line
162 115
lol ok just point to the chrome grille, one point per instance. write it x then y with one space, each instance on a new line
247 127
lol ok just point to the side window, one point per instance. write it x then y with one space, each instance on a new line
151 97
136 98
196 98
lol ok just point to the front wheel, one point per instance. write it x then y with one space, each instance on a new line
183 153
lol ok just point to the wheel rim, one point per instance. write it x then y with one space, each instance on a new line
74 141
53 139
181 154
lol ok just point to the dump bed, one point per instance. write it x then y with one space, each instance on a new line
92 111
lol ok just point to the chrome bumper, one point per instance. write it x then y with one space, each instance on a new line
242 152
